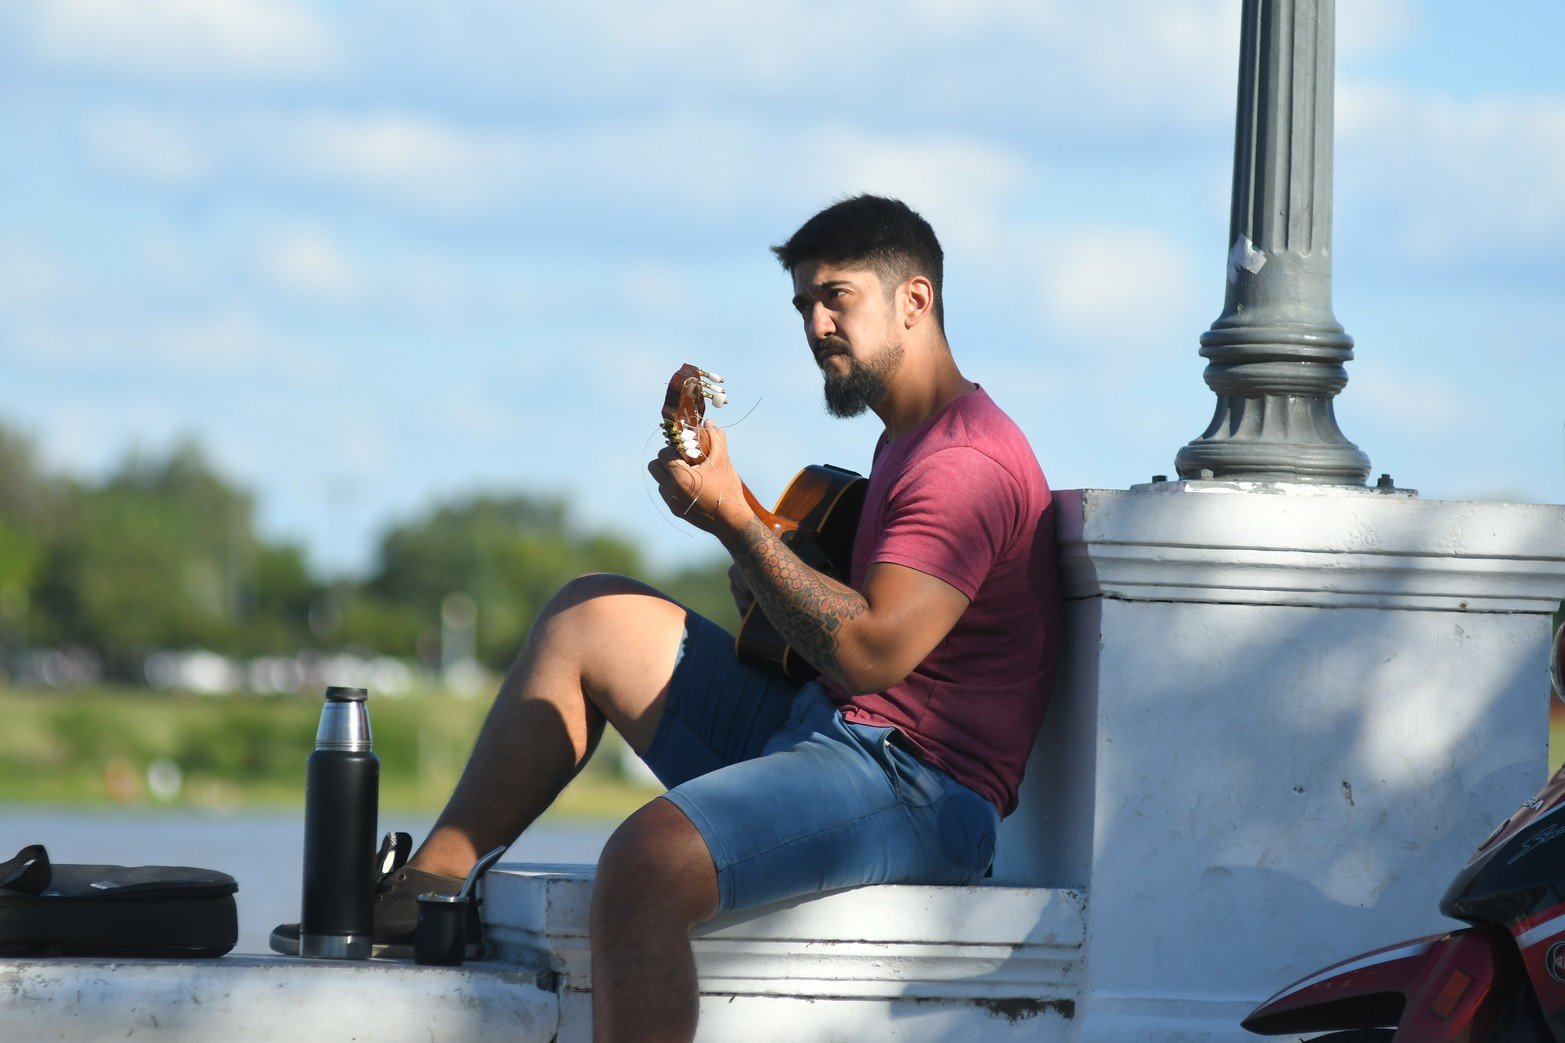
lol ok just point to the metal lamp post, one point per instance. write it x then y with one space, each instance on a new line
1276 353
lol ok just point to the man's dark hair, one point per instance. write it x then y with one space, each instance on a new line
884 235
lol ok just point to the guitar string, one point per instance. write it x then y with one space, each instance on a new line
746 416
694 499
646 485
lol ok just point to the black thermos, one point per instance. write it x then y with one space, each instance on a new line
341 792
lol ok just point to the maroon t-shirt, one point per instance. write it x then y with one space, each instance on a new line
961 498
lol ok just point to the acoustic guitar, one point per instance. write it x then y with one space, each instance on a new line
816 517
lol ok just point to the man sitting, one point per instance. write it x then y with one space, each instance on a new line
936 661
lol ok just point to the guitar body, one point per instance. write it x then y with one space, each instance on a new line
825 502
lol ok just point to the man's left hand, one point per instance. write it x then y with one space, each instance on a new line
708 495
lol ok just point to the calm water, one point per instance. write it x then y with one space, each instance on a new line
262 851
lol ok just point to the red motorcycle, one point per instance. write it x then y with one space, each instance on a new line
1501 980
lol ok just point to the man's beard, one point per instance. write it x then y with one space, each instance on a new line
864 384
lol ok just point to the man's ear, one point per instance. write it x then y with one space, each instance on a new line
918 300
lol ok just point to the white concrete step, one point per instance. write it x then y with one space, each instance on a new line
988 962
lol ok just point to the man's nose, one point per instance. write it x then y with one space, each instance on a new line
821 321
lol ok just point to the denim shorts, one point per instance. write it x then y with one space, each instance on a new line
792 799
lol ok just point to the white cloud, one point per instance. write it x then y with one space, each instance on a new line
965 181
82 435
357 445
432 285
471 413
308 262
1367 26
170 260
224 341
434 166
699 165
1032 70
147 146
35 340
1403 401
184 41
1136 282
1115 46
1023 380
656 289
1157 59
687 164
31 276
1458 179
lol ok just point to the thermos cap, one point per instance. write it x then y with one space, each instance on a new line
345 722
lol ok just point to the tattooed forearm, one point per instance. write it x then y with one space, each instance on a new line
807 607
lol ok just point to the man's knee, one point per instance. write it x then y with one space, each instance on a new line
594 588
599 606
655 866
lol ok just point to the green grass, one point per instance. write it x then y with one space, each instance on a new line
98 746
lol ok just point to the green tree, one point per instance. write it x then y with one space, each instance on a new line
30 510
163 553
277 597
510 553
160 554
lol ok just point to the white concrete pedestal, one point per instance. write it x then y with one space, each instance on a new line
1287 717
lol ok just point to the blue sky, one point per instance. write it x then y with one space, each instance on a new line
378 251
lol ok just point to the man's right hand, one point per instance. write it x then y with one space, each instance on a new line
740 590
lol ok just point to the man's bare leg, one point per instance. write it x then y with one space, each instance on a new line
655 882
603 649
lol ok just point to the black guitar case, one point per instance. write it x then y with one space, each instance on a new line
82 910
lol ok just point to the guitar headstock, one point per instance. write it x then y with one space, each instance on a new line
684 408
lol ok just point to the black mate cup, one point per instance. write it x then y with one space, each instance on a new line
441 938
